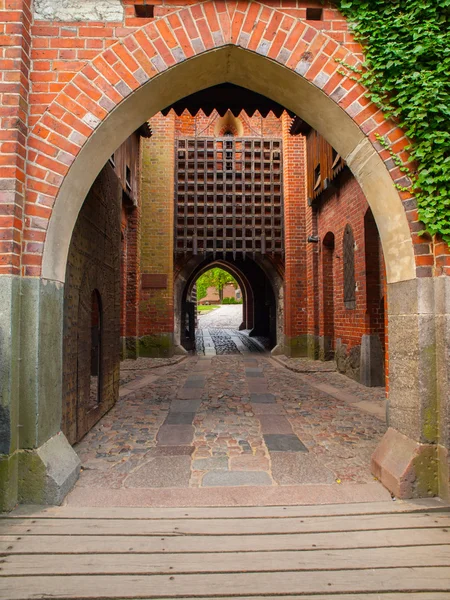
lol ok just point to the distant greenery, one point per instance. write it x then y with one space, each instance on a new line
407 67
215 277
207 307
231 301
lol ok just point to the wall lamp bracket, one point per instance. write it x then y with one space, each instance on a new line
313 239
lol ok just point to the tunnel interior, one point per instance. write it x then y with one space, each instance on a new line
259 309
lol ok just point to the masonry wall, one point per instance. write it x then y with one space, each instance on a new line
60 48
127 166
130 279
156 322
350 328
93 264
43 50
296 280
202 125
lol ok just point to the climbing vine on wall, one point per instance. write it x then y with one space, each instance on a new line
407 50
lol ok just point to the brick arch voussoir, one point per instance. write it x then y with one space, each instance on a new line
111 77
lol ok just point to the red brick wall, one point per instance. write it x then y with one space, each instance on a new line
186 125
296 282
60 50
47 55
347 206
15 42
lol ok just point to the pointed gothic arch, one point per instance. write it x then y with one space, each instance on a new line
301 75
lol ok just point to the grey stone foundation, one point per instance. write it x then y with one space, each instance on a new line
296 346
48 473
364 363
36 462
156 346
78 10
419 352
372 361
348 361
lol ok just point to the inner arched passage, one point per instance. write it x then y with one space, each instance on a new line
261 288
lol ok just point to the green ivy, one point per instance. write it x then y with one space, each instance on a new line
407 72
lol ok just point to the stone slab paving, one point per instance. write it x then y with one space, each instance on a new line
227 316
227 421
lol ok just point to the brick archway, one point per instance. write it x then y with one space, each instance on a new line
291 62
251 45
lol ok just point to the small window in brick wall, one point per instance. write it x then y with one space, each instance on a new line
349 268
314 14
144 11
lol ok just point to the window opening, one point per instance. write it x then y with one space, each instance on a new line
128 178
314 14
349 268
336 157
144 11
317 177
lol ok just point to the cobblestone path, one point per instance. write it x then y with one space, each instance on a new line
212 342
231 420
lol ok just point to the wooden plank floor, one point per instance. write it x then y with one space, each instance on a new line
377 551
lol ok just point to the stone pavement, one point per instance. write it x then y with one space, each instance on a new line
227 316
212 342
226 422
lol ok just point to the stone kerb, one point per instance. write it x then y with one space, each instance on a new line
103 84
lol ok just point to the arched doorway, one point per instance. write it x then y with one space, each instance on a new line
261 291
303 88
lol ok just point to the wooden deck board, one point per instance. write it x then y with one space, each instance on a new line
222 526
219 584
233 562
246 553
245 543
234 512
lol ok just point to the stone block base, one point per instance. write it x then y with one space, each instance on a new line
405 467
444 473
372 361
179 350
278 350
156 346
8 481
295 347
129 347
348 361
326 351
47 474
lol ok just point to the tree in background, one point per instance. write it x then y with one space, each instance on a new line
217 278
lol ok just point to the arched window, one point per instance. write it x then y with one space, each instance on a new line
96 349
349 268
